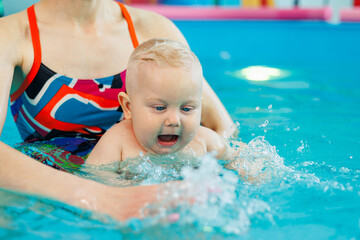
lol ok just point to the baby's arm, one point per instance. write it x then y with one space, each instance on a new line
109 147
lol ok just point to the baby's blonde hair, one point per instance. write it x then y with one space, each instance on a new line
164 52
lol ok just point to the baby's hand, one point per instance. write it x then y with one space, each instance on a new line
248 169
238 146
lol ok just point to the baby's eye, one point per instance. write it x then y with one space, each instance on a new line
159 108
186 109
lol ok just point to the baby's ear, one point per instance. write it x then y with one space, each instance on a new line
124 101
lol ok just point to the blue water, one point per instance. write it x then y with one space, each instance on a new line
303 124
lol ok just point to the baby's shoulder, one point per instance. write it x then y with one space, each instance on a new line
112 145
121 130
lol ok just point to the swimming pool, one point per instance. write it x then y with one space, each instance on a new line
308 109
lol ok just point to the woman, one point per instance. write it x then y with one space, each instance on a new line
73 54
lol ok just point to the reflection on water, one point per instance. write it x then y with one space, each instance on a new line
260 73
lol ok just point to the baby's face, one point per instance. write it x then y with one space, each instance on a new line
166 107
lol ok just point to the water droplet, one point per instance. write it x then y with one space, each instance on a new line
295 129
264 124
301 148
207 229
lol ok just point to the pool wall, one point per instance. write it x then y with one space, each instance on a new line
307 9
214 13
330 14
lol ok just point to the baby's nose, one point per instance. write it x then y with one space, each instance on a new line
173 120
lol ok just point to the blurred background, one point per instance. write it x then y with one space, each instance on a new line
8 7
250 3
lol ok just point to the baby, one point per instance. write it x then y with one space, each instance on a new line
162 107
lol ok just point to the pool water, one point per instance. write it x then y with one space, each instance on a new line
302 124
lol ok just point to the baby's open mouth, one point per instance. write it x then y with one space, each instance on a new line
168 139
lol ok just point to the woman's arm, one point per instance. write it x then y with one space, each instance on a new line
9 58
21 173
214 115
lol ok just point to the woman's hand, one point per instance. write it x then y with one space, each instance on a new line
119 203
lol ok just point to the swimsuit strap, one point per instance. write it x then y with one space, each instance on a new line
130 25
37 47
37 54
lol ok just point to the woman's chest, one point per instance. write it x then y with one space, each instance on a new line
84 55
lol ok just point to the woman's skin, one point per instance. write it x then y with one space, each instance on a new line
81 39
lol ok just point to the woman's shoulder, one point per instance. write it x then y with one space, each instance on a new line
14 29
149 25
14 23
14 32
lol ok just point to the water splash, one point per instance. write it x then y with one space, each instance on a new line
145 169
214 198
218 198
259 161
209 198
213 195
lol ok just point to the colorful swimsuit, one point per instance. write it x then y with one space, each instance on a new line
49 105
